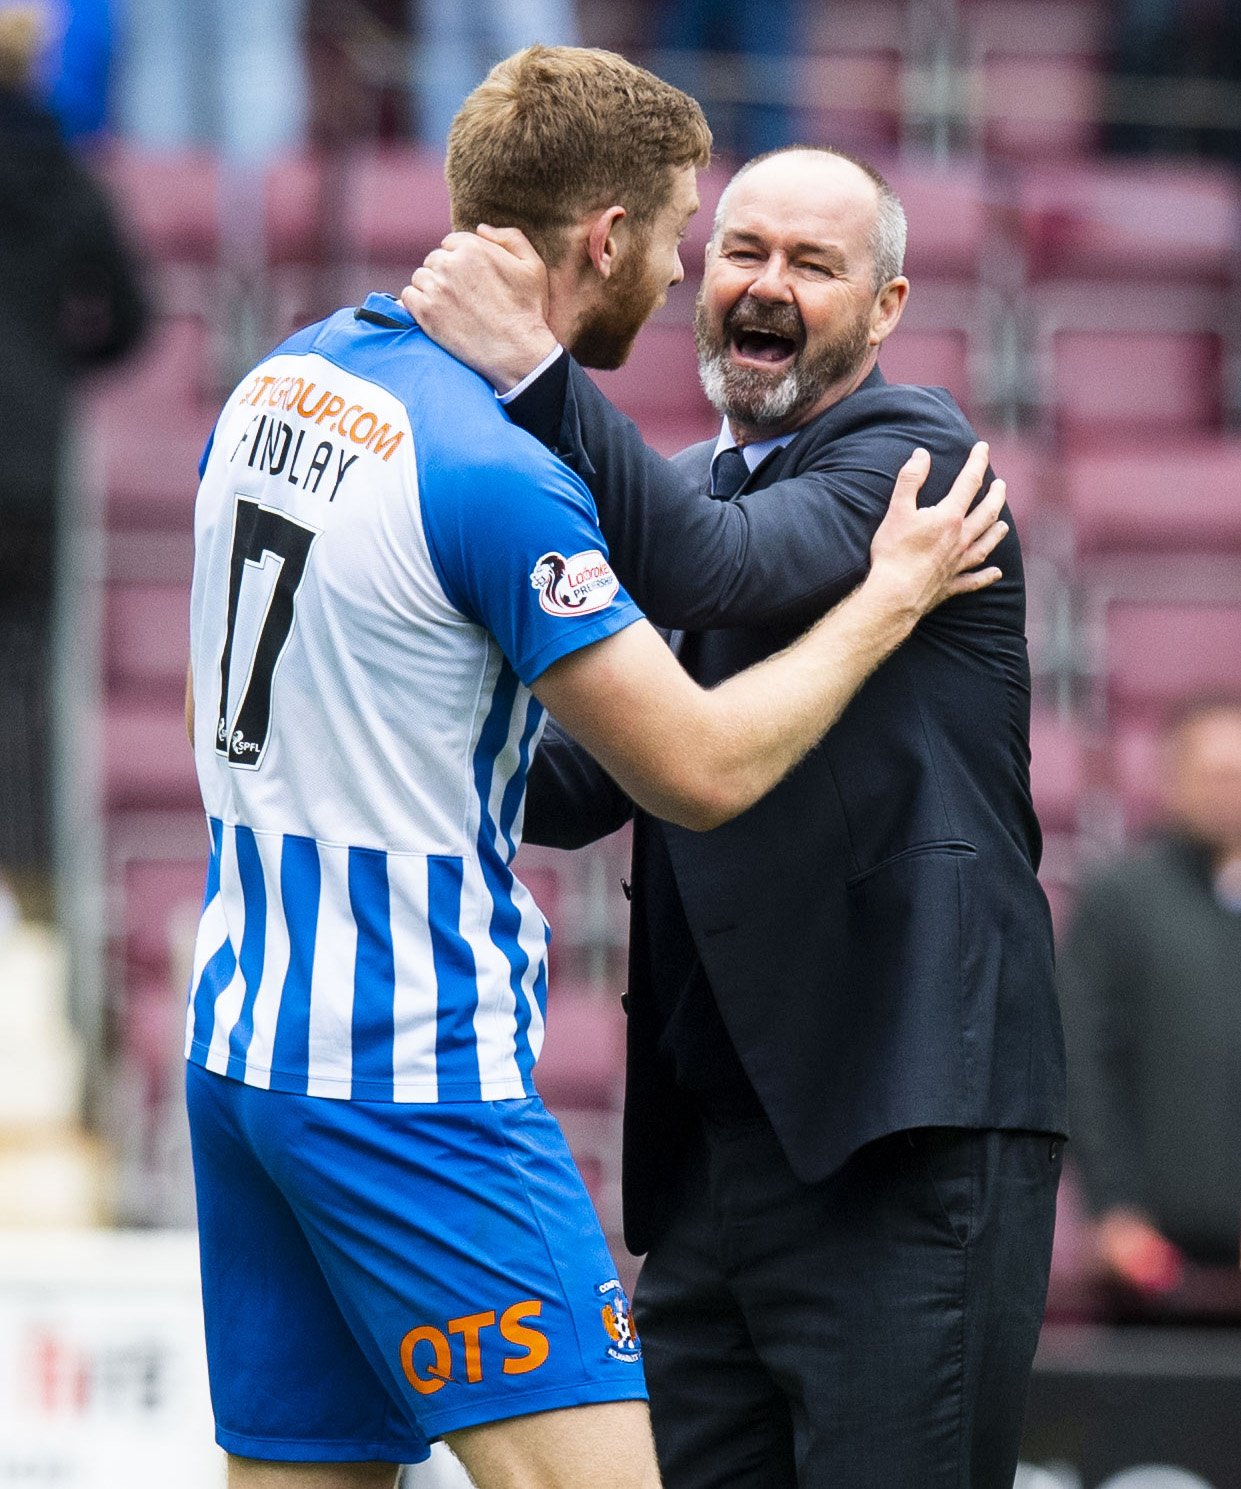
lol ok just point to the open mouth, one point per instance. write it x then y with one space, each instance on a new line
762 348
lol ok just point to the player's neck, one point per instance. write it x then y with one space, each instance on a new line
569 300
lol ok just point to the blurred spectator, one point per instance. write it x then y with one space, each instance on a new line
1151 985
737 57
461 43
69 300
214 74
71 66
1177 74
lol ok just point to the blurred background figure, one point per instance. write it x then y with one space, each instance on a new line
71 66
1173 60
69 300
211 74
738 57
461 43
1151 985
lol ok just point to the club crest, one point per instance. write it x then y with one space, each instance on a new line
618 1323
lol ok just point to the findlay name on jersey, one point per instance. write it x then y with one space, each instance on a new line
275 446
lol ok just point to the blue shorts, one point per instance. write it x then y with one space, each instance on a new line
377 1274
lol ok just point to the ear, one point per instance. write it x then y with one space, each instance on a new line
889 303
605 237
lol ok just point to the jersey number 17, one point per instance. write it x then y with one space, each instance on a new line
269 549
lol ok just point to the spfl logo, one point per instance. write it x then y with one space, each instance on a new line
618 1322
573 586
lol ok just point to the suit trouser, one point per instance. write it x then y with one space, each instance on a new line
873 1331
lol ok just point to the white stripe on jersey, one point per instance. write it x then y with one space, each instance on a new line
331 983
258 1054
228 1001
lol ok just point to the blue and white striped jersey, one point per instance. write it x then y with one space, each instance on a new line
383 565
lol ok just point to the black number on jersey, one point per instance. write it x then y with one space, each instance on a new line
260 536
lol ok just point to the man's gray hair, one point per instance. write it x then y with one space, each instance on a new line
888 236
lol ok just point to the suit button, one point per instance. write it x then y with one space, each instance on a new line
625 1002
1053 1150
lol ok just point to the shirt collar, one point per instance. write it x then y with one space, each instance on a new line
754 455
385 309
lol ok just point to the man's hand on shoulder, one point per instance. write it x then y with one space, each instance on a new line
922 556
483 297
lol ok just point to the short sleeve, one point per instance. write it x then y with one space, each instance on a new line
517 547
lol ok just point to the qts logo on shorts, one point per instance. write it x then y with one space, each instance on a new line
430 1361
574 586
618 1322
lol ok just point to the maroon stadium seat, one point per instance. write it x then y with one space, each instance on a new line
1157 498
1103 383
1157 654
395 207
1137 770
582 1064
658 387
1129 218
694 246
853 98
169 374
947 210
152 473
1126 264
147 640
1057 769
1040 106
931 358
159 892
850 84
170 201
147 760
295 210
150 423
1039 63
1025 469
580 1077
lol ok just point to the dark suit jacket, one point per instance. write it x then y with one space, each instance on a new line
873 930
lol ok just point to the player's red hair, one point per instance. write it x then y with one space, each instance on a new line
554 132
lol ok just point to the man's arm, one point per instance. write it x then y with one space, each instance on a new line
787 552
698 757
570 799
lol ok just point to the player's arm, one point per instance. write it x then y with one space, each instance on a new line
700 756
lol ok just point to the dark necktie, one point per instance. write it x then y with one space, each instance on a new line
728 472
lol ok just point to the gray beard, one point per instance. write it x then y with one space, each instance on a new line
745 395
749 397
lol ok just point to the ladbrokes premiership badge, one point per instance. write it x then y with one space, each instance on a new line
622 1333
574 586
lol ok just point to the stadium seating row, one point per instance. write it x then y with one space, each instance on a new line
380 204
1081 300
